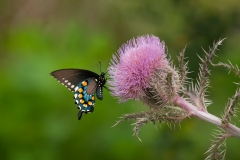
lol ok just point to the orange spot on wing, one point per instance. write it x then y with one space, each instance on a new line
80 96
84 83
80 90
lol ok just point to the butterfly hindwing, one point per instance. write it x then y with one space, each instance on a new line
92 86
85 101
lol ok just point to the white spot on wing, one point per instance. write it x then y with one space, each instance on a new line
76 88
75 95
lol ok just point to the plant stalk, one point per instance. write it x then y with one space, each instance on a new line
204 115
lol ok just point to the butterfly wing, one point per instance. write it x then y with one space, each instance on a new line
84 100
70 78
92 86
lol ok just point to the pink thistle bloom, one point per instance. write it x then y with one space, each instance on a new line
133 66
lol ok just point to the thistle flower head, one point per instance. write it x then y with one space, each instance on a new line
136 69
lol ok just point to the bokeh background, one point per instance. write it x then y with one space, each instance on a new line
38 118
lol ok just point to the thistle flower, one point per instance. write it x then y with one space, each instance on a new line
140 70
136 69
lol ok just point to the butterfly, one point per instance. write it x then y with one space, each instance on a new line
85 84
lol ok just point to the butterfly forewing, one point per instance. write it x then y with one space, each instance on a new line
72 77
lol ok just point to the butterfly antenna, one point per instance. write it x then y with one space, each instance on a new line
100 67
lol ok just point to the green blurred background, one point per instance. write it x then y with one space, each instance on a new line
38 118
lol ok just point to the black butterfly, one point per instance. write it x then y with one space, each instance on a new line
84 84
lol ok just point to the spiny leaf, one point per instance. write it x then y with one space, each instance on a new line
167 114
203 80
183 69
217 150
231 108
230 67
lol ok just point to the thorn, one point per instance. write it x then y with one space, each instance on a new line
136 134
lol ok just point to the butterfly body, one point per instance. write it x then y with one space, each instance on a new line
85 84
